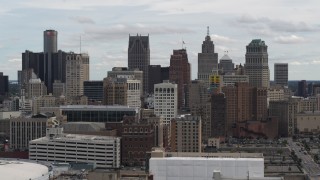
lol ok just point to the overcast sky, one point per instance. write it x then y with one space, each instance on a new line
290 28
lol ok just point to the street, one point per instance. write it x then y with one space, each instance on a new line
311 168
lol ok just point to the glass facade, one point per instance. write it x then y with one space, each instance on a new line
96 116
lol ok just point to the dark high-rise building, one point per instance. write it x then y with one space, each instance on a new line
207 60
4 85
200 106
50 41
281 74
244 103
218 115
225 65
302 88
49 65
179 73
94 91
139 56
256 66
259 104
281 110
157 74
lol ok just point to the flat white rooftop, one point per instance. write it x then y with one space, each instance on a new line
15 170
77 137
203 168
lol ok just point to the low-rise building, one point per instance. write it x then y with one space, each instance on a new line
235 166
104 151
25 129
308 122
186 134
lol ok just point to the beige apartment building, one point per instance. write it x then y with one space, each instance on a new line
77 71
308 122
36 88
186 134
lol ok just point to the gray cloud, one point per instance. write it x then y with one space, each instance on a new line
123 30
82 20
292 39
222 39
275 25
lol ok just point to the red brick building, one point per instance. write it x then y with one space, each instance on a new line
179 73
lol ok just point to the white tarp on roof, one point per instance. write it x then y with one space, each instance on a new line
182 168
16 170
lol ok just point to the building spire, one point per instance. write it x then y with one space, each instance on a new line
208 31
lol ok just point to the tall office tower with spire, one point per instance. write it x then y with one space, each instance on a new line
207 59
179 73
139 56
256 66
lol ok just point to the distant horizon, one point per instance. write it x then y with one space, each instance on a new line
192 79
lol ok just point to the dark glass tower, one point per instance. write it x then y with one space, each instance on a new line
139 56
49 65
50 41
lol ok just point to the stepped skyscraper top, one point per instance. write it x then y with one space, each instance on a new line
139 56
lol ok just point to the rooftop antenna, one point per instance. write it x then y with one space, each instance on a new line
182 43
208 32
80 44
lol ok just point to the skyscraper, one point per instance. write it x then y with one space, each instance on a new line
166 101
139 56
50 41
256 66
207 59
200 106
77 71
49 65
218 115
94 91
302 88
157 74
281 73
179 73
226 66
4 86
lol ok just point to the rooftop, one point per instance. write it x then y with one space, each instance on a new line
17 169
77 137
225 57
257 42
97 108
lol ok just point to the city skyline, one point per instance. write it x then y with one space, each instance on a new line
104 28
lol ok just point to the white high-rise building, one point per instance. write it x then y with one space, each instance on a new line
77 71
166 101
